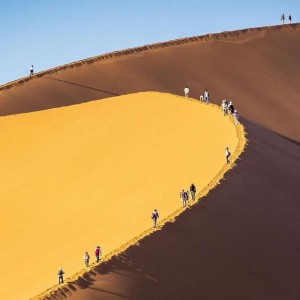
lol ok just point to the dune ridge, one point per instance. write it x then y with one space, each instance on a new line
59 290
129 51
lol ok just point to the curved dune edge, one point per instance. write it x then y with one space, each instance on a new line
242 142
171 43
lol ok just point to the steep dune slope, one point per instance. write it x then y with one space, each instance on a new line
256 68
89 174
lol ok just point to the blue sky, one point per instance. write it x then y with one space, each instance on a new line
49 33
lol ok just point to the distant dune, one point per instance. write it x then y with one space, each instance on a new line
241 241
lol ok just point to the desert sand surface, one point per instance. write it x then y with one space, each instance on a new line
89 174
242 241
256 68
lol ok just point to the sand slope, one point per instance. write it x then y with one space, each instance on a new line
75 177
256 68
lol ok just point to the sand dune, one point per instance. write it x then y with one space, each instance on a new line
91 174
242 241
256 68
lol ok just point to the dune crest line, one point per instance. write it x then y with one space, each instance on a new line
57 289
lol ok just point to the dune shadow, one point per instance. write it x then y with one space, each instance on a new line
81 85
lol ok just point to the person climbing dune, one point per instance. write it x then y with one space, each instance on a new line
86 258
154 217
206 96
183 198
227 155
230 108
98 253
60 275
236 117
224 106
193 191
186 91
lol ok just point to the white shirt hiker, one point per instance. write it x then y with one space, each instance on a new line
186 91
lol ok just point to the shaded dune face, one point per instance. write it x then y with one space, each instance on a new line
91 174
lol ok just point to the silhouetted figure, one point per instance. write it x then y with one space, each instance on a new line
230 108
97 253
193 191
290 19
154 217
206 96
31 70
86 258
227 155
60 274
186 91
282 18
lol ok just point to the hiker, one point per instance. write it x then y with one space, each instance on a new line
236 117
86 258
186 91
183 198
224 106
206 96
201 98
227 155
60 274
230 108
193 191
186 196
31 70
282 19
290 19
97 253
154 217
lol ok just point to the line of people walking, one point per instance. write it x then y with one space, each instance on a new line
283 19
229 109
184 195
203 97
86 258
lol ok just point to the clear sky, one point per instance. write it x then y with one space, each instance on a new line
49 33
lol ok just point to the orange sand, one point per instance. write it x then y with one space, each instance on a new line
75 177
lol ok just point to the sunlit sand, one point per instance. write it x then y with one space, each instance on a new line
89 174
